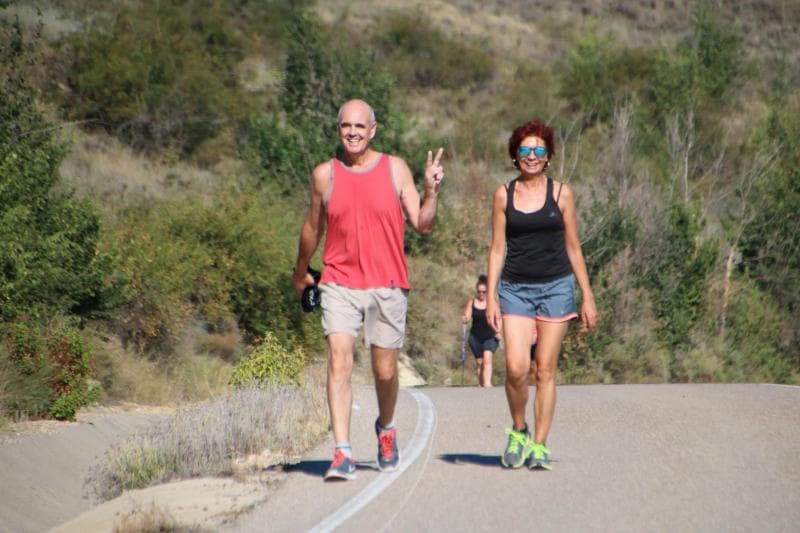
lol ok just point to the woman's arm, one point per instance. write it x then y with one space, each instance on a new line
497 250
466 316
575 254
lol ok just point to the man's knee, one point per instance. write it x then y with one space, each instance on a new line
340 362
384 364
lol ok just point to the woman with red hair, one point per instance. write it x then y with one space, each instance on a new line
535 259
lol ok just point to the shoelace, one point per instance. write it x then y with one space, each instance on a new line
539 450
338 458
387 443
517 439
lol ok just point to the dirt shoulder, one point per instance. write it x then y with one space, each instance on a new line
45 463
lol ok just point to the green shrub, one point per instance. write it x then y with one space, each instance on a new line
610 228
25 386
771 240
421 55
181 261
49 369
676 275
48 259
597 75
271 362
756 334
159 75
701 68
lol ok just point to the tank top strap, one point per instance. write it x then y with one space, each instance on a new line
330 182
510 186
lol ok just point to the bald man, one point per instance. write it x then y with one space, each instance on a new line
364 198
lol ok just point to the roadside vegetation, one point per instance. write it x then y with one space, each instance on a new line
251 428
154 165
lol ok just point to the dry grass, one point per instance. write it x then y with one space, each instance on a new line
541 29
55 23
252 426
153 519
103 168
129 377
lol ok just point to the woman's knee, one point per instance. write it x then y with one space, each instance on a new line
545 373
516 373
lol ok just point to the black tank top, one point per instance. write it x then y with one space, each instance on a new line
480 326
535 249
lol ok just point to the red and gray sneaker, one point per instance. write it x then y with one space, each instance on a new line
388 455
342 467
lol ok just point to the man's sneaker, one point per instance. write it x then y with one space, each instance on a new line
517 449
540 457
342 467
388 456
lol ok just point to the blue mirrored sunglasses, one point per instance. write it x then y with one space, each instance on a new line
538 151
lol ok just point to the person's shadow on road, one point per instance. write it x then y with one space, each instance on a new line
318 468
470 458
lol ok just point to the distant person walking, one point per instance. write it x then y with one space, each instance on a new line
364 198
483 340
535 258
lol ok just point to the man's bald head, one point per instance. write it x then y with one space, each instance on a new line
358 106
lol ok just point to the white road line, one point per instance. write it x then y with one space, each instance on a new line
426 419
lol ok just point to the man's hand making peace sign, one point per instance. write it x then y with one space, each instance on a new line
434 173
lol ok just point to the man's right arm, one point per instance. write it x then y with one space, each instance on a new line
313 227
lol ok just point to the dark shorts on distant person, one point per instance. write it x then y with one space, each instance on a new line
479 346
553 301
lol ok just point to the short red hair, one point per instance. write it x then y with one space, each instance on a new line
533 128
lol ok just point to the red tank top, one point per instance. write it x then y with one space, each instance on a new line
366 229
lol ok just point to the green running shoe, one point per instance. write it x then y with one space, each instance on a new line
540 457
517 449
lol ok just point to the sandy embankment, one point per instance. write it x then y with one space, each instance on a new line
45 465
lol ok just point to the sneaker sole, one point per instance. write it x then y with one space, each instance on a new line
387 468
338 476
512 465
536 465
333 475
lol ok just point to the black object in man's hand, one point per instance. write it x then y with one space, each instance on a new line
311 297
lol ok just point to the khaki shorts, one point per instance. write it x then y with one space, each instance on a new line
382 311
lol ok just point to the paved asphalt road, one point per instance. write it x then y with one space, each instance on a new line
626 458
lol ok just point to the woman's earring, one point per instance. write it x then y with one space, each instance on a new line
546 164
515 163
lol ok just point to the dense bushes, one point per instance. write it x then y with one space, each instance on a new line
229 262
598 75
49 264
48 369
48 261
164 75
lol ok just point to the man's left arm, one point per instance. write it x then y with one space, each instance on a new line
421 216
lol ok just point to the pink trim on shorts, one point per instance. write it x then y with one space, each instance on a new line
566 318
520 316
